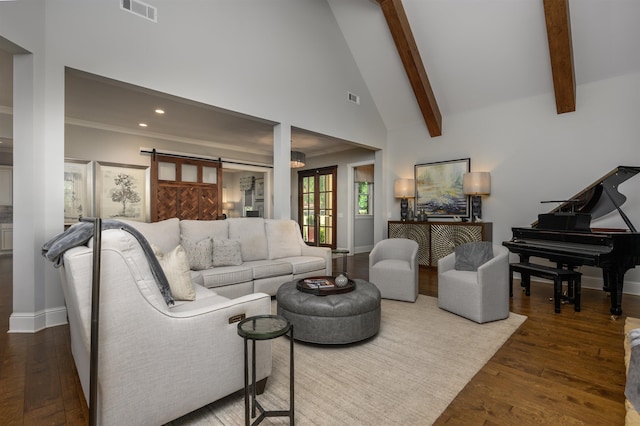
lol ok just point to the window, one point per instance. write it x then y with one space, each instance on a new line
364 198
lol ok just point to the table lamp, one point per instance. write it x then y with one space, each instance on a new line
404 189
476 184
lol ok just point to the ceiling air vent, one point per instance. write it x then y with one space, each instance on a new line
141 9
354 98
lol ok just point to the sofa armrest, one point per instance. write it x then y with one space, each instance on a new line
260 302
447 263
324 252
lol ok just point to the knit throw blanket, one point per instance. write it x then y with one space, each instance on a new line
80 234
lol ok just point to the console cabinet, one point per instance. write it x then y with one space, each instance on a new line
438 239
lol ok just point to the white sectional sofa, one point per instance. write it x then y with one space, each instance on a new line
155 362
270 252
159 361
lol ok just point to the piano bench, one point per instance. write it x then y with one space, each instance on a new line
557 275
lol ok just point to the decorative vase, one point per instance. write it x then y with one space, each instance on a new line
341 280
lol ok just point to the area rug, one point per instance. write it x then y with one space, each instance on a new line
406 375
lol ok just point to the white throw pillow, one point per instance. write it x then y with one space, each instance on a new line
199 253
176 267
226 252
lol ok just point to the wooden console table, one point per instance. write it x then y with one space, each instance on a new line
438 239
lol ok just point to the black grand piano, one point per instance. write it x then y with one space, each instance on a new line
564 235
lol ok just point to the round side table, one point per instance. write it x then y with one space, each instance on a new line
344 254
264 327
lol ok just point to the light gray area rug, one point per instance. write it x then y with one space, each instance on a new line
406 375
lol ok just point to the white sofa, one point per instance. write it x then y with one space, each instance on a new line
156 362
159 362
272 252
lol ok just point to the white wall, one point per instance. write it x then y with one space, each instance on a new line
534 154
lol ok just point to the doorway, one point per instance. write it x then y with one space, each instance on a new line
317 206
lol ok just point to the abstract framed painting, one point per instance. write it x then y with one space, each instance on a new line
439 188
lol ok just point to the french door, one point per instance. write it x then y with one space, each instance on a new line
317 195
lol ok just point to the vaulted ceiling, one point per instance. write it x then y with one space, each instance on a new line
481 53
454 56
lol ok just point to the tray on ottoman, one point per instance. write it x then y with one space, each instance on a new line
323 286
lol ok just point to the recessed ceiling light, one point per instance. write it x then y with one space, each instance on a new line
142 124
159 111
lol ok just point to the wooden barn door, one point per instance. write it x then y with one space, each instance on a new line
185 188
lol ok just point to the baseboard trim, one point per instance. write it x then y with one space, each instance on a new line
363 249
32 322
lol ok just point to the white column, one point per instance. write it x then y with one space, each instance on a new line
282 171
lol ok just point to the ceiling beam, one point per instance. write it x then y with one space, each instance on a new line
556 13
413 65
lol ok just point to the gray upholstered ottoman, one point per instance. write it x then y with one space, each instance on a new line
332 319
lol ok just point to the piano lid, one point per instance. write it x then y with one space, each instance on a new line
601 197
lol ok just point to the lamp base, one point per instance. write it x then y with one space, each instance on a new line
476 208
404 209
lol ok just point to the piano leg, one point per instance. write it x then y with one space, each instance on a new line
613 282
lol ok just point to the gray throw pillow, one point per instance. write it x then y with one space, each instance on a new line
199 252
470 256
226 252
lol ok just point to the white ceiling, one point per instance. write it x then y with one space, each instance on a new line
477 53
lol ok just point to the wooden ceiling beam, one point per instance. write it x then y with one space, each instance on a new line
406 45
556 13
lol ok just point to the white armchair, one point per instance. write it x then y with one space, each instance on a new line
156 362
393 268
481 295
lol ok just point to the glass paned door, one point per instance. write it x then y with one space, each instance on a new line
317 206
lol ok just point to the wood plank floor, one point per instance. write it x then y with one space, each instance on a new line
560 369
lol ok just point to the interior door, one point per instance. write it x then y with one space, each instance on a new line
317 195
185 188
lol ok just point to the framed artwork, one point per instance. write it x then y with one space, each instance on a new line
259 189
122 191
78 190
439 188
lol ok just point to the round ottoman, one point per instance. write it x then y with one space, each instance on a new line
332 319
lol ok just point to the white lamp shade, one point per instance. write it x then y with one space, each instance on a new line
476 183
404 188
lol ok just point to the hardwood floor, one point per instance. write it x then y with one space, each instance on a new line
556 369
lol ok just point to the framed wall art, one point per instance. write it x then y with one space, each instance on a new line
122 191
439 188
260 189
78 190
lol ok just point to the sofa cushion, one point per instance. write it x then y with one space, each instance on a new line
164 234
226 252
470 256
178 272
202 293
198 229
199 252
269 268
305 264
283 238
224 275
252 236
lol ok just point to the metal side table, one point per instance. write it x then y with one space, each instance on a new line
263 327
344 254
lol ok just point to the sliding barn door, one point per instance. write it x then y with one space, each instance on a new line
185 188
317 195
